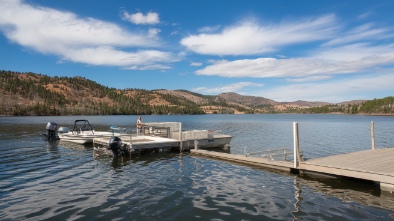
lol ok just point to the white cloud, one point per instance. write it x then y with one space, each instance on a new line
249 37
356 52
209 29
153 32
365 15
72 38
311 78
237 87
136 60
150 67
356 58
333 91
364 32
141 19
196 64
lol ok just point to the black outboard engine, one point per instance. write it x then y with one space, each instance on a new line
52 131
115 144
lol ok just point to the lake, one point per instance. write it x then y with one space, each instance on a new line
41 180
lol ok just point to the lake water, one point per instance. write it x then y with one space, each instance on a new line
42 180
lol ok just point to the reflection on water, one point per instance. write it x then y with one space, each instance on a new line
298 199
62 181
350 190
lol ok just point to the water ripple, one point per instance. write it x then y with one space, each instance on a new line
42 180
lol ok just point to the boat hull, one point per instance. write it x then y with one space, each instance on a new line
83 138
215 142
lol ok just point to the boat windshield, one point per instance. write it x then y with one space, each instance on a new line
82 125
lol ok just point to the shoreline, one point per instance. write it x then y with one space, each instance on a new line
333 113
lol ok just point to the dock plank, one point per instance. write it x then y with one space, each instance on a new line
378 161
374 164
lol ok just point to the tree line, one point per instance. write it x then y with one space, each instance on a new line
30 94
35 94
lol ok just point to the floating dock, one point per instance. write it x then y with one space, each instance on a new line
141 142
375 165
157 137
138 144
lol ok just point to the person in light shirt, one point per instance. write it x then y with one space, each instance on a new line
139 125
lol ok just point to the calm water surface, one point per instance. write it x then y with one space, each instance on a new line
42 180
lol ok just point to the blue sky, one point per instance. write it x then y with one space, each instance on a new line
285 50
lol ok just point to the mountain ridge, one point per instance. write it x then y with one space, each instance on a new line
36 94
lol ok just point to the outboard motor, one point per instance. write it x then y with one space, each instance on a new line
115 144
51 131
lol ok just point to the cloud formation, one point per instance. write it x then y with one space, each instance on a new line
335 51
332 91
250 38
141 19
83 40
358 58
196 64
236 87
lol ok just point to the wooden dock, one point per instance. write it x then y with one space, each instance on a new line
134 145
375 165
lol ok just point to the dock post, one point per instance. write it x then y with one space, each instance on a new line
297 157
180 137
373 135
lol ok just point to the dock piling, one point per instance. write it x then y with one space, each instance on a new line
373 135
296 152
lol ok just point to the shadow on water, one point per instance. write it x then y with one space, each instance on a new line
142 159
348 190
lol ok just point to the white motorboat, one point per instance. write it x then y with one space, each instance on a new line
81 133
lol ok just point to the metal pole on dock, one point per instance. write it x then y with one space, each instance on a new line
297 157
373 135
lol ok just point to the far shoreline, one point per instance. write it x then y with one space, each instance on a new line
333 113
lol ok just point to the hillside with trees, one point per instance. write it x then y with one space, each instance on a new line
30 94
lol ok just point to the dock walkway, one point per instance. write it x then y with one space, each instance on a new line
374 165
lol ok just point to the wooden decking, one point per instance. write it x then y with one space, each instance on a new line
375 164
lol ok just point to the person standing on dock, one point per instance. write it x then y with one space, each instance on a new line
139 125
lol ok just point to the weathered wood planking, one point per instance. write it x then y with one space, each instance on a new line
374 164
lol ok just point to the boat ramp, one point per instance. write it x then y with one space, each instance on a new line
375 165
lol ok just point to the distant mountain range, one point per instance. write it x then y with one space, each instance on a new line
35 94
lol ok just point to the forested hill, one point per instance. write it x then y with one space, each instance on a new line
36 94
